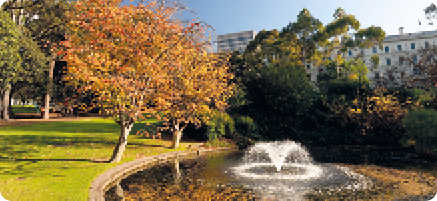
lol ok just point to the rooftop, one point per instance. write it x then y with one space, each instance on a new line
411 35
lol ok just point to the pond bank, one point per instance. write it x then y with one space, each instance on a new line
113 176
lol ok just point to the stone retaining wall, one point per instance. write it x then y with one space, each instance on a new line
104 181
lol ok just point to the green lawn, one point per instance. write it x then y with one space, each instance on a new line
35 166
23 105
24 109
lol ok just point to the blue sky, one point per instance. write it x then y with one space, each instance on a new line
230 16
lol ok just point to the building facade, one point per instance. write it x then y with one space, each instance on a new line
234 41
393 69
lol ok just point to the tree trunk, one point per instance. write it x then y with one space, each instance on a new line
10 112
177 134
49 87
1 104
126 127
5 102
176 138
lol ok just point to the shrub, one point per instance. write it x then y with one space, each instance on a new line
421 126
219 124
279 99
374 118
379 115
246 131
343 87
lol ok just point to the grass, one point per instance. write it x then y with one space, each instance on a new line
58 160
18 106
24 109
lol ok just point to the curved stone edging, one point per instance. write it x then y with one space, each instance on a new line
105 180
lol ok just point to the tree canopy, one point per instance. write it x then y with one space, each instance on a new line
136 55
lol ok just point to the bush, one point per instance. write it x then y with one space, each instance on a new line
279 98
219 123
421 126
374 118
350 89
246 131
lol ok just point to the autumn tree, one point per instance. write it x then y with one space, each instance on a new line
134 55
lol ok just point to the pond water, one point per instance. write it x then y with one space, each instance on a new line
216 176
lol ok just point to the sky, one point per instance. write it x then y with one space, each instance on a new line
230 16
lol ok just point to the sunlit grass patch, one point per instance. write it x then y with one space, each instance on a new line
59 160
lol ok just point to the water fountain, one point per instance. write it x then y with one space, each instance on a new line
285 170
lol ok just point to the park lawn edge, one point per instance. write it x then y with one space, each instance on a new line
38 176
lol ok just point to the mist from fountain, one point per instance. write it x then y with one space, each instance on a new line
284 168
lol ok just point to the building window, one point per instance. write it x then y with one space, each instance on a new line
386 49
308 66
388 61
416 72
350 53
399 48
374 49
376 75
429 58
362 52
415 59
338 53
401 60
329 58
413 46
426 45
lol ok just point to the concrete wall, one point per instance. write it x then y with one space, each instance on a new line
113 176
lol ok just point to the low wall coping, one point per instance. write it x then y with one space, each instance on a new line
105 180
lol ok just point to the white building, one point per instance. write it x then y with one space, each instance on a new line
234 41
392 58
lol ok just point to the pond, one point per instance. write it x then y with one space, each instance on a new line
234 176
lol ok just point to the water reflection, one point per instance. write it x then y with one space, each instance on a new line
179 179
209 177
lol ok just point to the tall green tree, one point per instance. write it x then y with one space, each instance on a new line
319 41
305 28
10 62
49 29
32 61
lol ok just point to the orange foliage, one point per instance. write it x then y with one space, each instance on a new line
133 55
